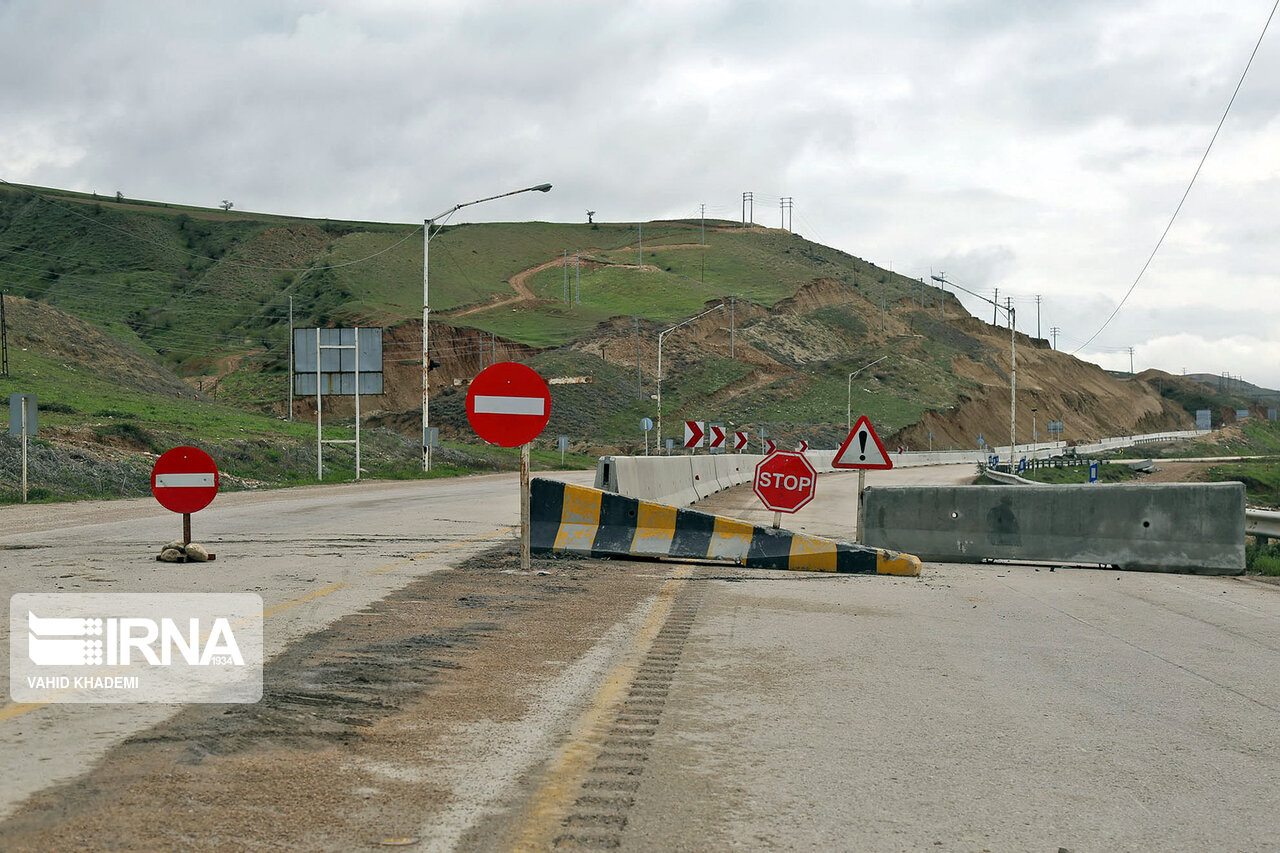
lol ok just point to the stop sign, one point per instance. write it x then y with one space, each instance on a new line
184 479
784 481
508 404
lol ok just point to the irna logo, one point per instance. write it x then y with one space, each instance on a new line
122 641
144 647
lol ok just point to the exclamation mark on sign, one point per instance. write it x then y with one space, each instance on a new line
862 440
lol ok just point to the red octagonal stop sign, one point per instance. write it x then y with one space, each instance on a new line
785 481
184 479
508 404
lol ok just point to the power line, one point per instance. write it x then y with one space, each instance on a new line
1190 184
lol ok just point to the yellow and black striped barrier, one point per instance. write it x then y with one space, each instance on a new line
581 520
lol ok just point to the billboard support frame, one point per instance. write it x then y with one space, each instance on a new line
320 440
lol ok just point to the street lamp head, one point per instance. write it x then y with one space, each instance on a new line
542 188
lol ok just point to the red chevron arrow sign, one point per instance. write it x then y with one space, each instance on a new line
717 437
693 433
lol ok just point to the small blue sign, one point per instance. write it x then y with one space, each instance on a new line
1093 472
993 461
1022 464
646 424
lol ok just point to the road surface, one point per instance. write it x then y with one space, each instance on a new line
423 692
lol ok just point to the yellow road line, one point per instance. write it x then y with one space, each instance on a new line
542 817
12 710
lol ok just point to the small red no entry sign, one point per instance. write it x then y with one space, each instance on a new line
184 479
508 404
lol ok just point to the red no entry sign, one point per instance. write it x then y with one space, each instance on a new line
508 404
784 481
184 479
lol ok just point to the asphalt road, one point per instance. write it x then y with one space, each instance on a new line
313 554
647 706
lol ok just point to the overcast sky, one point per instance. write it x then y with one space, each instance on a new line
1036 147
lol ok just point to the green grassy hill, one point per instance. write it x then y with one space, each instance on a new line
203 297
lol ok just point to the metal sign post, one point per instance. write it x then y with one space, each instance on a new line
862 449
23 419
24 448
509 404
185 480
320 441
526 561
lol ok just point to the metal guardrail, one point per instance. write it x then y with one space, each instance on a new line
1261 522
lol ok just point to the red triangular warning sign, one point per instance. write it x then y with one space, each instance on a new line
862 449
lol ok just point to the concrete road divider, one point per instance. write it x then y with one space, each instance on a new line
683 480
581 520
1169 527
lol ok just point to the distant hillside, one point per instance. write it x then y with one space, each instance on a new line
1236 388
206 294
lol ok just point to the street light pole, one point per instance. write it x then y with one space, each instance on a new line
1013 382
426 310
662 335
848 410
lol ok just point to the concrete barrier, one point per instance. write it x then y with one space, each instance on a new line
1172 527
682 480
579 520
678 480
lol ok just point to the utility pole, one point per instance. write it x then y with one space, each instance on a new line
785 204
702 234
748 200
290 358
1130 361
640 244
1013 385
566 277
577 277
941 278
1008 301
1037 316
995 306
639 379
4 341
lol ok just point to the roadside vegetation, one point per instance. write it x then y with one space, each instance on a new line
1108 472
1262 559
176 326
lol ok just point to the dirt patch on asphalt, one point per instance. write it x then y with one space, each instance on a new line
350 741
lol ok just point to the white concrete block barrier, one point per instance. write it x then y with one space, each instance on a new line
1170 527
675 480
